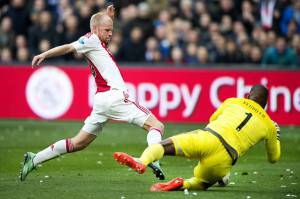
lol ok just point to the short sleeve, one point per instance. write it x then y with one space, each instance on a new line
86 43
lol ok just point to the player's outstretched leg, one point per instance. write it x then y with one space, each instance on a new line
28 165
158 172
154 136
172 185
125 159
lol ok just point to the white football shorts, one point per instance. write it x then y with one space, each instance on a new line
115 105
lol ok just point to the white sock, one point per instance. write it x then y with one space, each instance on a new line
58 148
154 136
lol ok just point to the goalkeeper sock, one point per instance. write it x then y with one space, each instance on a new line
152 153
153 136
194 184
59 148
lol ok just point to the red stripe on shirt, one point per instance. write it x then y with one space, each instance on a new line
101 83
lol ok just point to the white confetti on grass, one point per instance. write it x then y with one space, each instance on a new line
46 176
100 154
99 162
186 192
41 181
283 186
293 183
291 195
231 183
253 181
194 193
248 197
123 197
255 172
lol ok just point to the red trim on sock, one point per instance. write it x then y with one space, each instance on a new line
69 145
160 131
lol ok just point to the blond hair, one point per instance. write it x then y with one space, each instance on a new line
96 19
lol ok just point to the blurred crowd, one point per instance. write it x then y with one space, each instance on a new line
177 32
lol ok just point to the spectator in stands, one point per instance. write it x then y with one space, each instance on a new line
226 7
226 26
23 55
200 8
156 6
165 44
295 45
219 48
7 35
191 53
152 50
21 41
42 30
164 18
19 15
204 23
291 14
255 55
271 38
246 51
85 12
259 36
6 56
71 32
43 45
233 55
133 49
64 9
38 6
186 10
240 33
248 17
177 57
115 43
292 29
280 55
202 55
142 20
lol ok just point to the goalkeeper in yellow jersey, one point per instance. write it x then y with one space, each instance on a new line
236 126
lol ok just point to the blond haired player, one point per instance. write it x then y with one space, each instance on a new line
237 125
111 101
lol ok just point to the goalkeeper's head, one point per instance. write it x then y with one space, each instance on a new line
259 94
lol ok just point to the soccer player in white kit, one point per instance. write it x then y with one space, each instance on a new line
111 100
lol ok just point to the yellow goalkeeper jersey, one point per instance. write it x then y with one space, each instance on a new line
242 123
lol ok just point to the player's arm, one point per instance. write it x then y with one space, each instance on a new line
57 51
110 10
273 144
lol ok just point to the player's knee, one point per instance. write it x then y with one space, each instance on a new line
159 125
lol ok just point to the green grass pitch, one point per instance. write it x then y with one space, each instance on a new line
93 173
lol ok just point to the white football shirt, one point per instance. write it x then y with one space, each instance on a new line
101 62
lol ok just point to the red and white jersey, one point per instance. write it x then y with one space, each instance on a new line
101 62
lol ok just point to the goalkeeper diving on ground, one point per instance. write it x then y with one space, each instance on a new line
236 126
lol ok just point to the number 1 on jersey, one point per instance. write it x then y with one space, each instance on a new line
244 122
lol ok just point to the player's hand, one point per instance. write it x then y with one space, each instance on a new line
37 60
110 10
277 129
